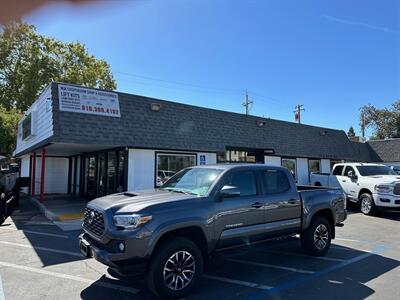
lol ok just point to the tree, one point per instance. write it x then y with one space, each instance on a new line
384 122
8 130
351 132
30 61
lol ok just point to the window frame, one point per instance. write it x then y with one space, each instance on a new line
228 176
341 172
265 191
295 166
309 164
345 168
157 153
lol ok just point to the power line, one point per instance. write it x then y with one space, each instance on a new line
179 83
188 86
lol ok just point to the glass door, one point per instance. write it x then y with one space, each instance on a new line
101 175
90 177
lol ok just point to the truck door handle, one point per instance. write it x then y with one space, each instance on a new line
292 201
257 205
343 180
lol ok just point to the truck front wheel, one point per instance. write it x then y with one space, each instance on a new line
175 268
316 239
367 204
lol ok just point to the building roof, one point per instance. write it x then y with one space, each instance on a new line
364 152
185 127
387 150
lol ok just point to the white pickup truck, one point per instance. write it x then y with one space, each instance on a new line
372 186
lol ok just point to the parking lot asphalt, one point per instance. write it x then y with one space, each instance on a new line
40 261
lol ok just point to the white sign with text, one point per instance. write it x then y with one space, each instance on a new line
88 101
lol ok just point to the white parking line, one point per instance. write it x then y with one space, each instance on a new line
251 263
304 255
2 297
42 249
70 277
238 282
348 240
40 233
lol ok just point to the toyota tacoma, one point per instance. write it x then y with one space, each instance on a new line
170 233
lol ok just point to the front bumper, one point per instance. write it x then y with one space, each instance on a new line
125 262
387 200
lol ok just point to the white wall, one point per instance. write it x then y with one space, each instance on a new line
24 172
302 171
325 166
211 158
272 160
141 167
56 175
43 121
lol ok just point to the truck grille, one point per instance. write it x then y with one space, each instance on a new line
93 221
396 189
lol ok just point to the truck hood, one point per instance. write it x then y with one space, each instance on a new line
130 202
383 178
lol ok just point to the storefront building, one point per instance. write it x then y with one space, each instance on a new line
91 142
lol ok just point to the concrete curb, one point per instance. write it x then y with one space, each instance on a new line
48 214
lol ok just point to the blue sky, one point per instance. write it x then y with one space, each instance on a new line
331 56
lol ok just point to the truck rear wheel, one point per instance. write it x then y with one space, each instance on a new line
316 239
175 268
367 204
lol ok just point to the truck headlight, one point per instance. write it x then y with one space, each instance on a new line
384 188
131 221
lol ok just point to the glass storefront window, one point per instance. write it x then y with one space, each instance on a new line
122 172
111 163
290 164
101 178
256 156
314 166
169 164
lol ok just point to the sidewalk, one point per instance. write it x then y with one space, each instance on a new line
66 211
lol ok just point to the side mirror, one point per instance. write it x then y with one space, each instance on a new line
229 191
351 175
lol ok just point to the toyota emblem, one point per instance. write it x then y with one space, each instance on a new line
91 217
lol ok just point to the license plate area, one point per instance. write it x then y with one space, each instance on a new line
85 248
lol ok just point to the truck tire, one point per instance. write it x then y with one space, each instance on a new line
316 239
175 268
367 204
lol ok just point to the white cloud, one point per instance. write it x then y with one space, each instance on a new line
360 24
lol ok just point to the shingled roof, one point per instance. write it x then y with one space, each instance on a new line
365 153
185 127
387 150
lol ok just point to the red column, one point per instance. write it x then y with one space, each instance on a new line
42 174
33 174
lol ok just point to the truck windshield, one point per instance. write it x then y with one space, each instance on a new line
196 181
375 170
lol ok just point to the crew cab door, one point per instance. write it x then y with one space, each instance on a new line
240 219
283 203
349 184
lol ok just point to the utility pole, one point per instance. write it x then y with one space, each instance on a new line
297 112
362 126
247 103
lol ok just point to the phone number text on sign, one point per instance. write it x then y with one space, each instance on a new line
88 101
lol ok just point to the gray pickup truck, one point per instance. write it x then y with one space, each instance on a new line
171 232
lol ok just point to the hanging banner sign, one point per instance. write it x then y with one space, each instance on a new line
88 101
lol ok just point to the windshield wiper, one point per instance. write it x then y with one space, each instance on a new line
179 191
